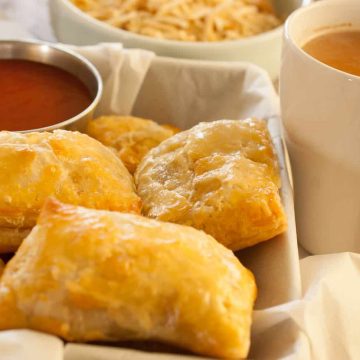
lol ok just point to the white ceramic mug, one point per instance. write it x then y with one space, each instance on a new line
321 113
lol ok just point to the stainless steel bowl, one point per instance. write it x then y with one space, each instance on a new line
64 59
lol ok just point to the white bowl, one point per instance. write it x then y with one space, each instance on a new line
73 26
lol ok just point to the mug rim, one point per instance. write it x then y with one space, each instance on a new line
301 12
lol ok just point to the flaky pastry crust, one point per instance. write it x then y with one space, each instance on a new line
68 165
221 177
130 136
97 275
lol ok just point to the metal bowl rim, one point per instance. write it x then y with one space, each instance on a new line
84 61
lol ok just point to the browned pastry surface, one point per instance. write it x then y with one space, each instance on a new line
130 136
68 165
88 275
2 266
221 177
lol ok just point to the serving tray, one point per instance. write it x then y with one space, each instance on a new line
183 93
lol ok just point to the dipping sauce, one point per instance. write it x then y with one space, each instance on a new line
35 95
340 50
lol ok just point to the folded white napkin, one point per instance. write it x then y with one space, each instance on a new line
325 323
29 345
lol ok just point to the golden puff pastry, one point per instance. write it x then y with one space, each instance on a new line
221 177
68 165
130 136
98 275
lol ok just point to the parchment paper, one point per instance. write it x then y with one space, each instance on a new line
323 321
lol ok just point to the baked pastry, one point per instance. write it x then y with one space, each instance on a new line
130 136
71 166
88 275
221 177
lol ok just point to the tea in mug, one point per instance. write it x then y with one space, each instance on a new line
338 49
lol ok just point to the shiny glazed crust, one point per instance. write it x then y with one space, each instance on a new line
221 177
68 165
130 136
97 275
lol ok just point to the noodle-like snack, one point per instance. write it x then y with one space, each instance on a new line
185 20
